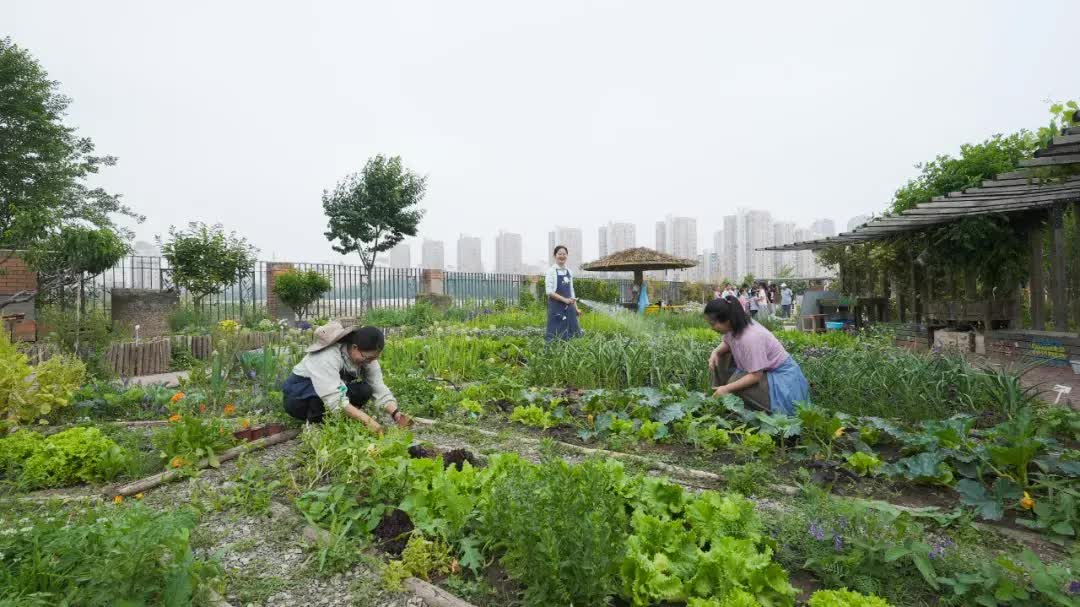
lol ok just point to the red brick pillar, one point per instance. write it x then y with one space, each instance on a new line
15 277
274 306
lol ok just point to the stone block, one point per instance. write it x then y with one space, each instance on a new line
147 308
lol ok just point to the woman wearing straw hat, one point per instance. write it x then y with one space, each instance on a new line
341 372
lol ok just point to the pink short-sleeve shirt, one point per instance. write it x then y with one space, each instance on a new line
756 349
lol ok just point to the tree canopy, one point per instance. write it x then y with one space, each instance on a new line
205 259
299 289
372 211
44 163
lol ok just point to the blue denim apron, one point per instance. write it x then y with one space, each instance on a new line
787 386
562 320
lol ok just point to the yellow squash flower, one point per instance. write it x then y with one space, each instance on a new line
839 432
118 500
1027 503
139 496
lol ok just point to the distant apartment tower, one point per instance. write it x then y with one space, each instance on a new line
758 232
783 233
661 237
857 221
468 254
400 256
615 237
825 227
508 253
569 238
431 255
730 267
677 236
804 260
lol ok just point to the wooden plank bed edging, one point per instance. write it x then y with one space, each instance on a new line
164 477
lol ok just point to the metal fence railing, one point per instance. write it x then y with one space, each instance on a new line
352 289
479 289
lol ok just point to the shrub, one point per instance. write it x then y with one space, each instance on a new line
85 335
66 458
298 289
31 394
562 528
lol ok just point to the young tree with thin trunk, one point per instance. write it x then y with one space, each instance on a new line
372 211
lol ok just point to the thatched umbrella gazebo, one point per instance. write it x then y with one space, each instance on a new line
638 260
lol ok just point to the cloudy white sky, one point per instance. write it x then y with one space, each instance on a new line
528 114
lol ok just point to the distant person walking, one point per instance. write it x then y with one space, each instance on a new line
562 308
786 300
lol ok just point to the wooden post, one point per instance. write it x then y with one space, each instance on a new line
1057 265
1035 276
914 290
971 285
928 279
886 292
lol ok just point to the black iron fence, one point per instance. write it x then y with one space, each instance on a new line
480 289
352 289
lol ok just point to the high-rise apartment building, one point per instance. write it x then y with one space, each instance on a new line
615 237
468 254
758 233
729 254
825 227
571 239
678 236
431 255
401 256
783 233
508 253
661 237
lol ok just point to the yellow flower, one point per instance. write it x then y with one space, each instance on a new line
590 418
175 417
1027 503
139 496
229 326
230 409
118 500
177 462
245 423
839 432
176 397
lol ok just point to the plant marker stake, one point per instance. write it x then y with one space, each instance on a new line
1061 390
136 335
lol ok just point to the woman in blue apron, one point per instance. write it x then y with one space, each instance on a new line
562 309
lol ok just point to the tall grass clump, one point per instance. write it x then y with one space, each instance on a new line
889 382
621 361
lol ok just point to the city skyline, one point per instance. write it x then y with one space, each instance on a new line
732 253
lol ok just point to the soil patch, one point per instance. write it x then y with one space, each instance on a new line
393 532
458 457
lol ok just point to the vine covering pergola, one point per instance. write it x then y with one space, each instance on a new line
1035 195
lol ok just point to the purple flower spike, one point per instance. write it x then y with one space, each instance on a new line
816 531
1074 587
838 543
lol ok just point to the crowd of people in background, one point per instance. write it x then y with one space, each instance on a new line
760 300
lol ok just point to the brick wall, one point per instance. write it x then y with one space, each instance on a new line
274 306
15 277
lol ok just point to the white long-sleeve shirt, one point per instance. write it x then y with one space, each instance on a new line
551 280
324 369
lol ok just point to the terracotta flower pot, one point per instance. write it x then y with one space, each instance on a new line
245 435
272 429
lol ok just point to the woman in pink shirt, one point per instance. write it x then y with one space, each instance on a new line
751 362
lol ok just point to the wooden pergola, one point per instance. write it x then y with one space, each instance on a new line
1028 192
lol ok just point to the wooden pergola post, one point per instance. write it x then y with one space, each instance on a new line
1035 275
913 287
886 294
1057 265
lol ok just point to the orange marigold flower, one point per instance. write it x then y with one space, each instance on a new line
177 462
1027 503
202 408
175 417
118 500
230 409
176 397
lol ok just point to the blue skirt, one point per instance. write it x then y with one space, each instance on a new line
787 386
